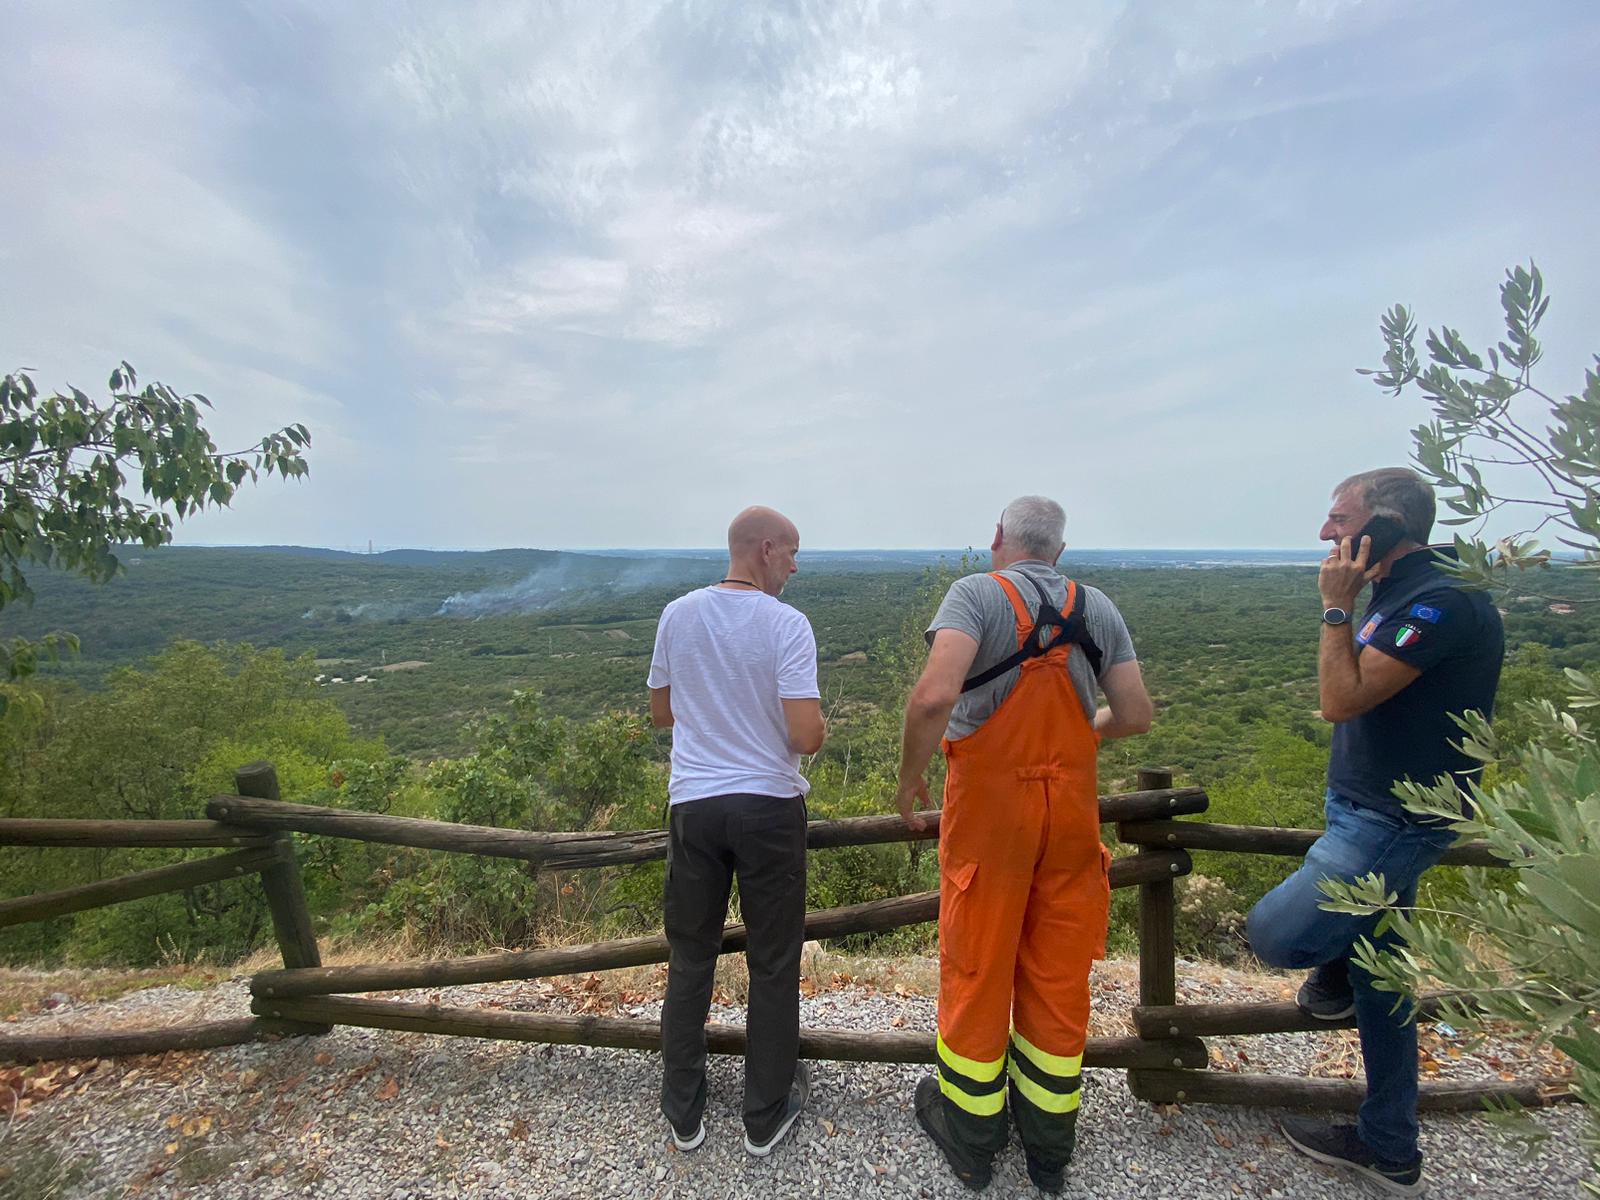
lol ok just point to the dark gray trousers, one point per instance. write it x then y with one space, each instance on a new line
762 840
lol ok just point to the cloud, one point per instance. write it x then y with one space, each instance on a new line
597 273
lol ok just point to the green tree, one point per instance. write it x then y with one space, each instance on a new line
1527 954
156 743
65 498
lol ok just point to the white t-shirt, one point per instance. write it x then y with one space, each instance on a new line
731 657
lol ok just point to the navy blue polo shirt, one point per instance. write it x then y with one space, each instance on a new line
1421 616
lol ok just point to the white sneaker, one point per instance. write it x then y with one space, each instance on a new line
691 1142
799 1093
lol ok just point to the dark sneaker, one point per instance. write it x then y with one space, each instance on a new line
1326 994
971 1168
1339 1146
1046 1180
690 1141
799 1093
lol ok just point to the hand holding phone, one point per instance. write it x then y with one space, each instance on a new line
1386 533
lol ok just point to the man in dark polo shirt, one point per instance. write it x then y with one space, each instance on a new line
1424 650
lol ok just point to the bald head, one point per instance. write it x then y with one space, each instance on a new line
762 543
758 524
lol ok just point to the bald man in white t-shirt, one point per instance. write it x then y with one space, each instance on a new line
734 674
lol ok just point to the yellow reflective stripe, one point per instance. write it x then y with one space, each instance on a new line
978 1106
1053 1064
1041 1097
978 1072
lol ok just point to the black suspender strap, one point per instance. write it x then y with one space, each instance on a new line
1071 628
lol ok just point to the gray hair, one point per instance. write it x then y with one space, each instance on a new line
1036 524
1396 492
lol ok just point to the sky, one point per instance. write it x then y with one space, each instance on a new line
602 273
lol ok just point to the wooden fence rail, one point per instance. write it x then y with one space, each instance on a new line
843 1045
872 916
1166 1061
571 851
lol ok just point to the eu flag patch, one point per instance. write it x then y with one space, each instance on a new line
1423 613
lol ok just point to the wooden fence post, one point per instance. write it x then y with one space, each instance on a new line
286 893
1158 981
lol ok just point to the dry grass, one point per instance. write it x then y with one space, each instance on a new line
24 991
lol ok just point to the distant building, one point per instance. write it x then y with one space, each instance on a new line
1562 609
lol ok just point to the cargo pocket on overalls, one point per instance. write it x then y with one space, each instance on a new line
1105 912
960 927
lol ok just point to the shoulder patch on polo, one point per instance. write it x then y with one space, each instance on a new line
1426 613
1370 628
1407 635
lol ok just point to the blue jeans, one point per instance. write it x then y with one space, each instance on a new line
1288 929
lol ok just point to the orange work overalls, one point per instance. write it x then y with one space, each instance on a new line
1023 901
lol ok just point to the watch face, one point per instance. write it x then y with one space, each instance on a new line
1335 616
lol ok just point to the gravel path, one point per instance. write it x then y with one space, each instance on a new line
369 1114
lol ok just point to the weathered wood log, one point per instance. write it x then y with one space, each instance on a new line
176 878
285 892
1158 916
1157 923
874 916
30 1048
840 1045
1340 1095
1221 1020
1251 839
111 835
571 851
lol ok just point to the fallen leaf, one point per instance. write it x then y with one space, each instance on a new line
323 1058
171 1147
827 1126
389 1090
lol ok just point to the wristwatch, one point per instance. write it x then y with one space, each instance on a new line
1334 616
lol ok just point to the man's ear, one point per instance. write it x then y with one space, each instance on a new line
999 538
1059 550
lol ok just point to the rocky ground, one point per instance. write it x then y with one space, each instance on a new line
367 1114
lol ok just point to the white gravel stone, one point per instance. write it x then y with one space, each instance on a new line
304 1117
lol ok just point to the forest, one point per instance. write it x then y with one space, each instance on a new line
507 688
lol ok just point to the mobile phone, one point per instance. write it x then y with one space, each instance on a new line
1386 533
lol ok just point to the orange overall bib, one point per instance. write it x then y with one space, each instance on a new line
1023 901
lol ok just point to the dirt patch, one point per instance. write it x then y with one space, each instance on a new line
619 635
411 664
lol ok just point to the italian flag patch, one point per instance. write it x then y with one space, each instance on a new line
1406 634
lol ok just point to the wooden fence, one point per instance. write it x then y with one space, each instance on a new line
1166 1061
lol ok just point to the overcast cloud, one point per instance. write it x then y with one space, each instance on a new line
599 274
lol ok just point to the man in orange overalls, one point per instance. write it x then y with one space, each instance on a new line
1016 657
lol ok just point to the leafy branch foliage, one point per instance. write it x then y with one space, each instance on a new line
65 500
1528 954
1487 416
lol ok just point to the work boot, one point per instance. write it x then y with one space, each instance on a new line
1045 1179
974 1169
1326 994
